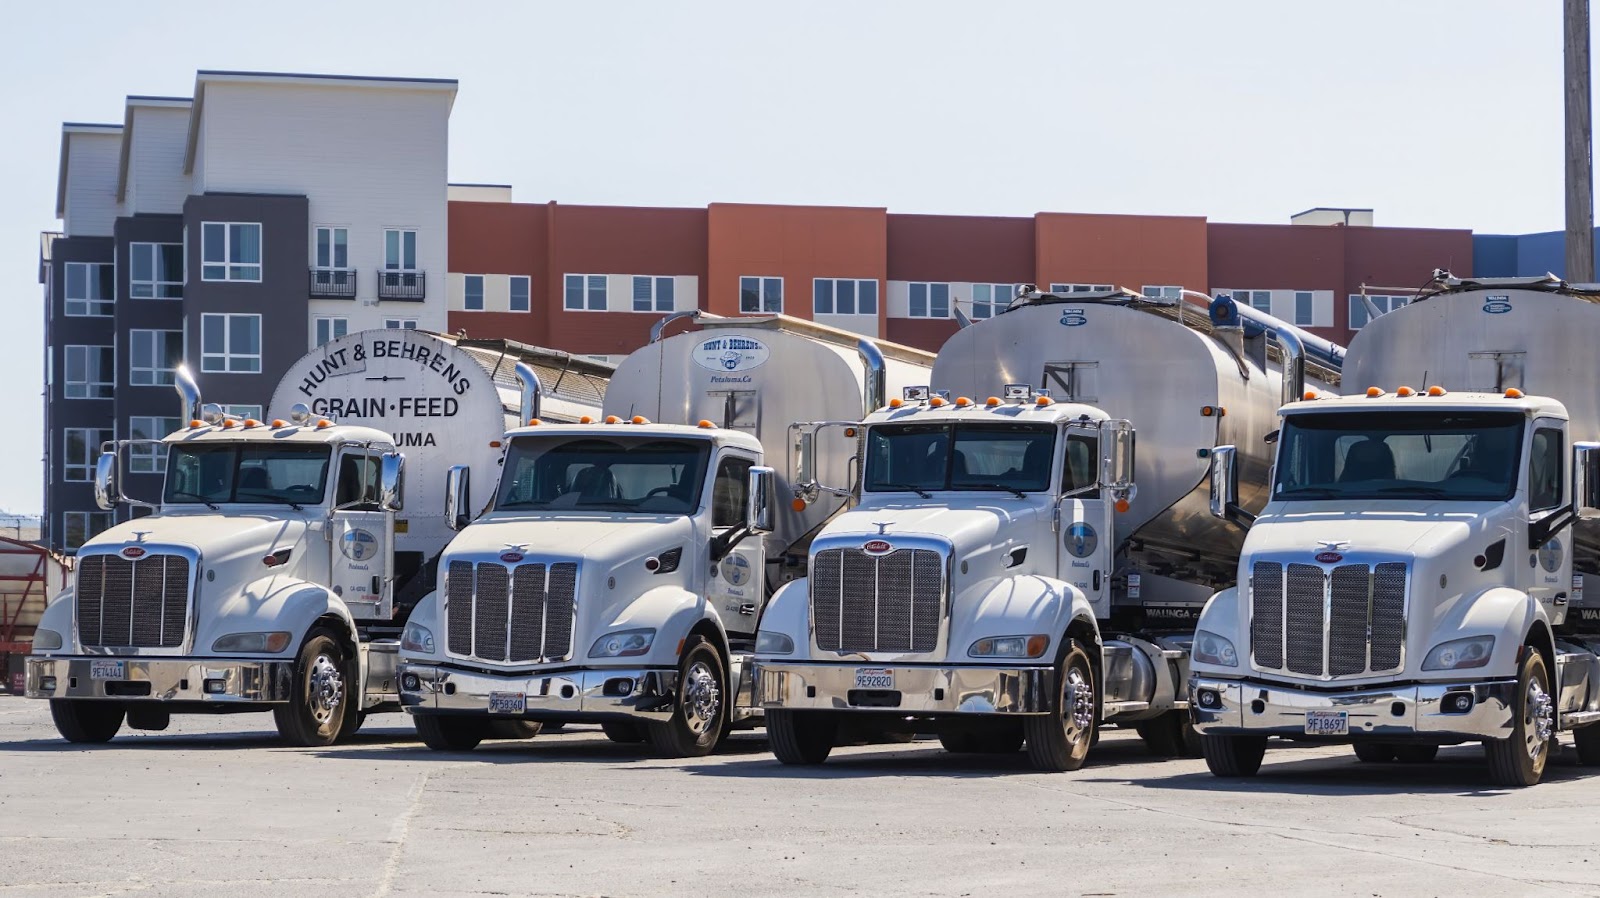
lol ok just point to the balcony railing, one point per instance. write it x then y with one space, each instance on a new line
411 286
333 283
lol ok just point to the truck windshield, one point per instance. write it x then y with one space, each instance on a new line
917 457
1398 455
247 473
645 474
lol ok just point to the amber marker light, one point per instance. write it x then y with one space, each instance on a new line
1043 401
798 505
1513 393
196 424
612 419
705 424
1310 395
1436 390
1207 411
962 402
896 402
936 401
534 422
1374 392
251 422
279 422
640 419
324 423
1405 391
585 420
992 401
1122 506
494 444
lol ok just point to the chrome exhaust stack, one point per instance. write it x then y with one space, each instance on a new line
532 392
875 383
188 394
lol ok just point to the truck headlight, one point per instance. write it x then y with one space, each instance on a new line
1209 648
46 640
622 643
770 643
252 643
1010 646
416 638
1460 654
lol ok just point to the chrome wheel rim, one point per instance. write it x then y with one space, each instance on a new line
325 689
1077 704
1538 719
702 698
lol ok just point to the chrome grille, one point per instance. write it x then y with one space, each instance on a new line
515 615
142 603
1346 621
877 603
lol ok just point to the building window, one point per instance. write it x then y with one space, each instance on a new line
521 293
230 251
81 450
400 324
1059 289
758 295
844 296
230 344
91 372
331 258
78 527
585 293
989 300
652 294
1260 300
472 299
149 458
331 328
1173 293
930 300
400 249
252 412
155 270
91 289
1305 308
1385 304
154 357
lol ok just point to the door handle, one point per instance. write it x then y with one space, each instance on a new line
748 609
1096 581
377 585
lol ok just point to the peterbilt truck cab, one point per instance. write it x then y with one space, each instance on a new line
1404 586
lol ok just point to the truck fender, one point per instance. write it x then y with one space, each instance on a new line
59 616
1022 606
426 614
1221 616
788 612
672 612
274 603
1508 615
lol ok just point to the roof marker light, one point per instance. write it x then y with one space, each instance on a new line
896 403
1374 392
585 420
534 422
227 423
1436 390
962 402
1405 391
251 422
705 424
936 401
992 401
279 422
1310 395
196 424
612 419
1513 393
324 422
1043 401
640 419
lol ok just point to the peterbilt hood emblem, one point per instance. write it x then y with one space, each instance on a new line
511 557
133 552
1329 557
1332 550
876 547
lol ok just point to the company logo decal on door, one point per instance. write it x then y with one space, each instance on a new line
358 545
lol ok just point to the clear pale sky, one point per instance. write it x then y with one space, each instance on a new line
1437 113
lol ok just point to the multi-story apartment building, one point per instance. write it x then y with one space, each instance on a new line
235 229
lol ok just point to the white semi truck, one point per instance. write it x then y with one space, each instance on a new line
620 568
276 568
1416 578
1004 579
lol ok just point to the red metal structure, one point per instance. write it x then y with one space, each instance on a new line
24 590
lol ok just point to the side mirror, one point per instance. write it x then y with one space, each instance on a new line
106 488
805 449
1224 482
391 481
1120 436
1586 480
458 497
758 503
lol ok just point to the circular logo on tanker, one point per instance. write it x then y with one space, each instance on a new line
731 352
358 545
735 570
1550 555
1081 540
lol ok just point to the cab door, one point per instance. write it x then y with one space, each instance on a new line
738 581
361 534
1086 523
1548 509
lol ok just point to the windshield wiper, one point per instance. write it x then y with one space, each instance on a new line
522 503
278 500
902 486
994 486
178 494
1308 492
1429 491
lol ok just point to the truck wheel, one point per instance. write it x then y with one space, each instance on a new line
1170 736
1588 741
701 712
1519 760
442 733
320 703
1415 754
83 721
1374 752
514 729
1060 740
1233 756
623 732
801 737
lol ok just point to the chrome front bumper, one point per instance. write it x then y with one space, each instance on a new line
643 694
163 679
1237 707
917 689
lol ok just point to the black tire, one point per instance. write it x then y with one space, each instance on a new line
443 733
1060 741
1519 760
1375 752
1587 739
700 713
1170 736
623 732
1000 738
84 721
801 737
1415 754
514 729
1233 756
321 705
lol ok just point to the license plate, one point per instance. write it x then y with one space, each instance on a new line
107 670
508 702
874 678
1327 723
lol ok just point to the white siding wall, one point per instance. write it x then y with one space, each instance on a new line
156 182
899 297
91 206
366 158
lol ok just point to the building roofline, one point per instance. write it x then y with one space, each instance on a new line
137 101
475 184
229 75
1334 209
152 100
67 130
